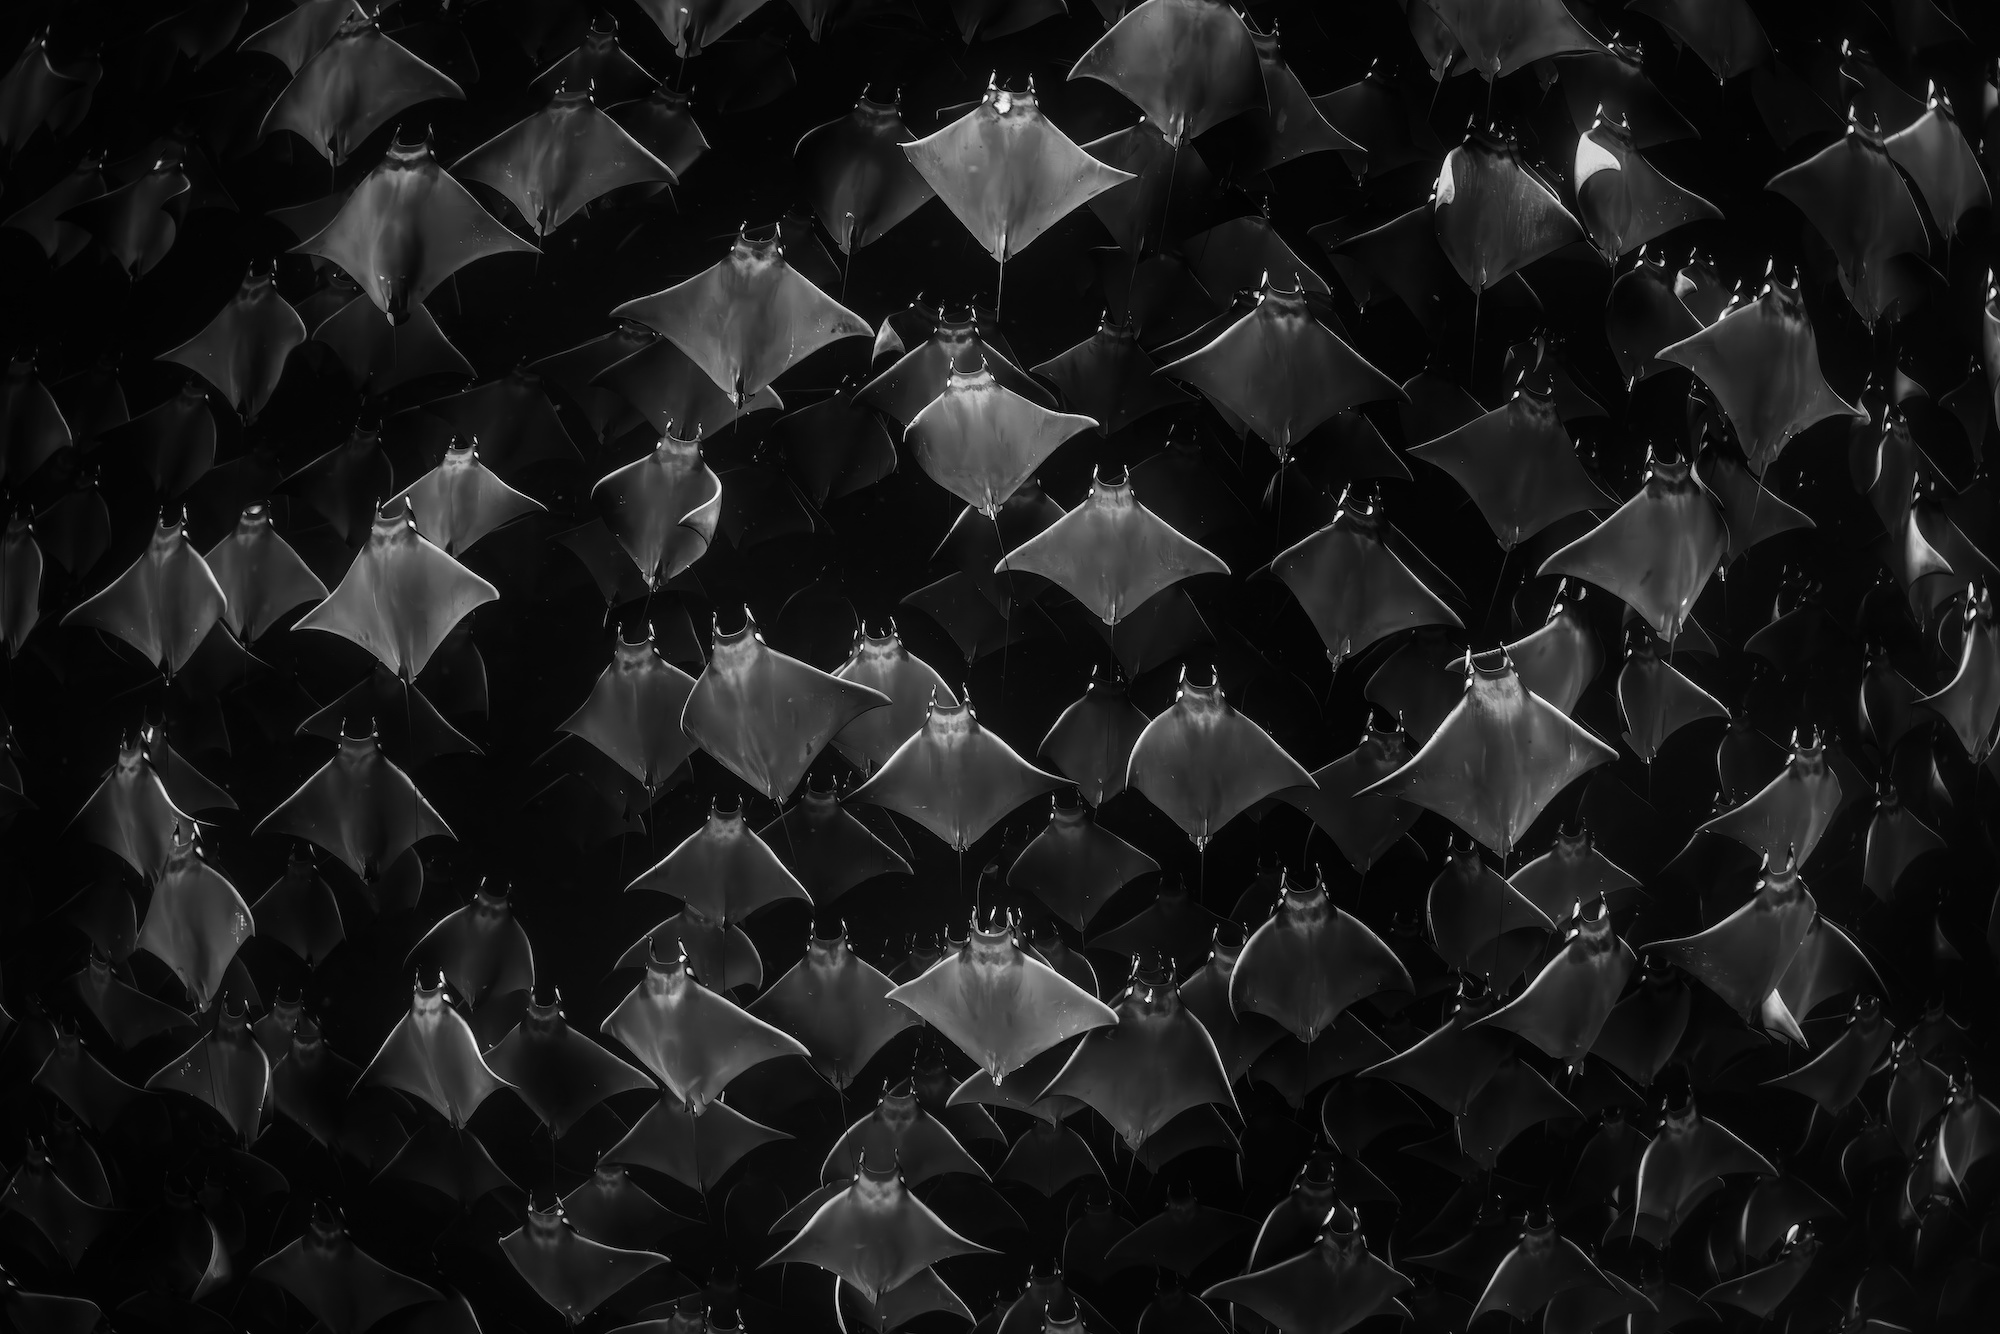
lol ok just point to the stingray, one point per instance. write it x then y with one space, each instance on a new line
1329 1289
1519 466
554 163
1110 376
1166 199
954 777
1493 215
663 507
1934 151
131 813
1288 126
835 447
405 719
1624 201
598 62
612 1209
1897 837
137 222
342 1286
1502 37
1179 1238
1750 512
633 712
1001 1006
1743 957
1474 917
1452 1063
186 786
828 849
379 357
861 183
577 373
695 1150
1543 1266
360 807
723 870
1658 701
1091 742
1188 64
1570 874
510 419
900 1129
1308 962
882 663
260 576
42 219
480 949
1559 661
1788 816
572 1274
81 1083
765 716
128 1014
1008 173
226 1069
196 920
300 912
460 501
1074 867
1204 763
836 1004
1353 578
1112 553
1281 371
32 427
173 443
432 1055
950 343
1725 34
1684 1163
1656 552
1363 828
1613 82
1970 702
351 87
1761 361
243 350
1854 195
406 228
874 1235
1835 1077
1644 315
748 318
1154 1063
164 603
1564 1009
694 1040
982 441
694 25
300 35
1497 760
71 1224
401 596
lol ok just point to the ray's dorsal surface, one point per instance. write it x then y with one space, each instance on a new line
402 595
406 228
999 1004
1497 760
765 716
1007 172
1111 552
749 317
